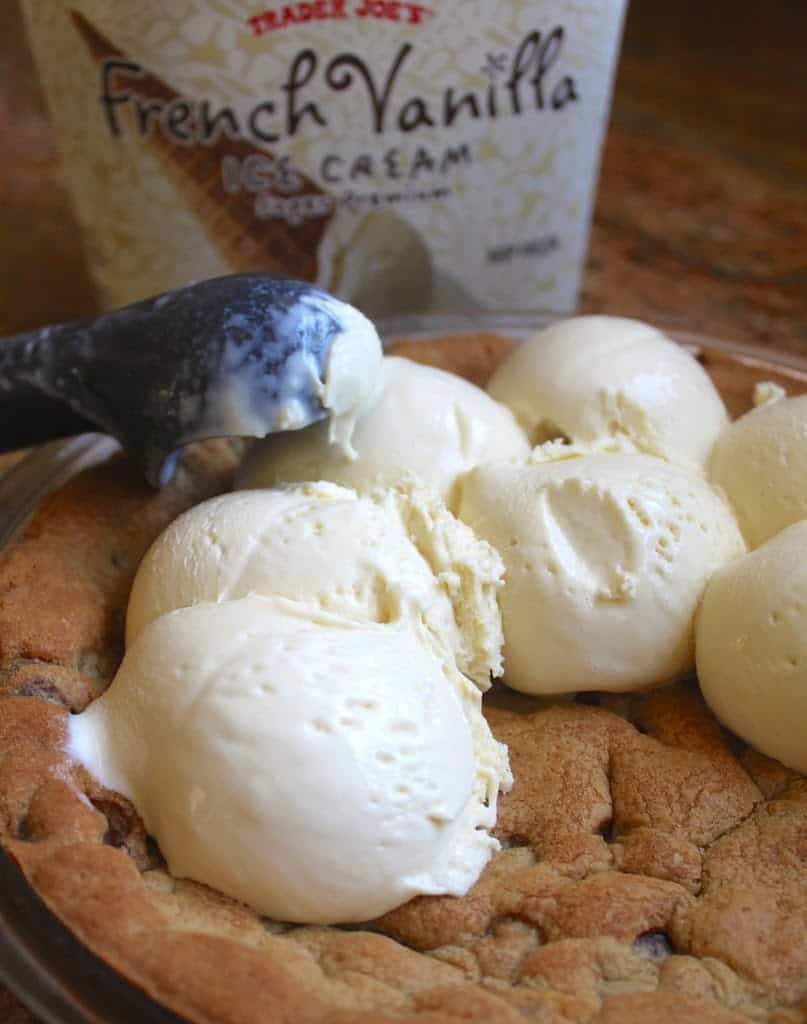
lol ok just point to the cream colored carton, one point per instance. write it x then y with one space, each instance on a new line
433 163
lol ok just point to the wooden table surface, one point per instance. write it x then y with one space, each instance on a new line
701 217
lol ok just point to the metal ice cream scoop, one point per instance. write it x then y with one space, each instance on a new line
243 355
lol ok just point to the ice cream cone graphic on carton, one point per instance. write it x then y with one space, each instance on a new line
228 218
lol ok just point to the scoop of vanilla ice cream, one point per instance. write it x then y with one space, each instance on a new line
760 462
606 558
751 647
597 378
317 768
423 423
352 371
393 554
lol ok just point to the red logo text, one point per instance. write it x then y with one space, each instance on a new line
327 10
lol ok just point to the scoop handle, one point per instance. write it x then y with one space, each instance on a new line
28 415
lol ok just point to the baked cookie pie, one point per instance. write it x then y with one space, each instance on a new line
653 867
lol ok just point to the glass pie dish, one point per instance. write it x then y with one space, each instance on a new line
50 970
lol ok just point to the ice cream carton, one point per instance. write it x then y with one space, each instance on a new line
433 163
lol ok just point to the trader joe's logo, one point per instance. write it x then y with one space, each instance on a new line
329 10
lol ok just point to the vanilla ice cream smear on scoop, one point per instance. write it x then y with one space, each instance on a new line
292 718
